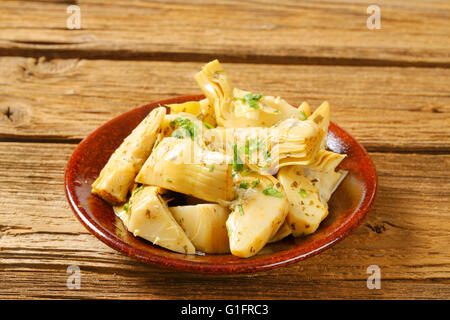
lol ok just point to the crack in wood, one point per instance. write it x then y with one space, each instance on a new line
133 55
8 228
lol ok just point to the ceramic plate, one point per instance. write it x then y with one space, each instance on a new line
348 206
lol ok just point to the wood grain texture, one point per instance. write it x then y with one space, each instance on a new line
385 108
412 33
406 234
388 88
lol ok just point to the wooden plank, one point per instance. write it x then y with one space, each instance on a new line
388 108
406 234
320 32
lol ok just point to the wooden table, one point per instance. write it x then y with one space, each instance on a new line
388 87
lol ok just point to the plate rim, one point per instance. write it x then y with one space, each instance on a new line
264 263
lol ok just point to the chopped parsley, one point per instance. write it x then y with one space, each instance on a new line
241 210
137 190
244 150
252 100
208 125
126 207
303 115
255 183
267 155
271 191
250 146
243 185
185 128
303 193
211 169
229 231
169 180
180 122
236 165
253 144
156 144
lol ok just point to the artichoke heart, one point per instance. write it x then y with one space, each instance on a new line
204 225
282 233
292 142
218 89
150 218
239 108
257 216
305 110
321 116
326 160
181 165
326 182
306 210
117 177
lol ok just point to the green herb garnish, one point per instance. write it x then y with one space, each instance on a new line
252 100
241 210
243 185
303 115
185 128
169 180
255 183
243 150
267 155
236 165
211 169
137 190
303 193
271 191
208 125
180 122
126 207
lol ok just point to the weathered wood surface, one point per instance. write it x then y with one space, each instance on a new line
287 31
385 108
406 234
388 88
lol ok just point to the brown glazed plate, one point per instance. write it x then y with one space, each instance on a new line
348 206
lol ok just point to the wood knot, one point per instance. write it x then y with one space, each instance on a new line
378 228
47 69
435 110
13 115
